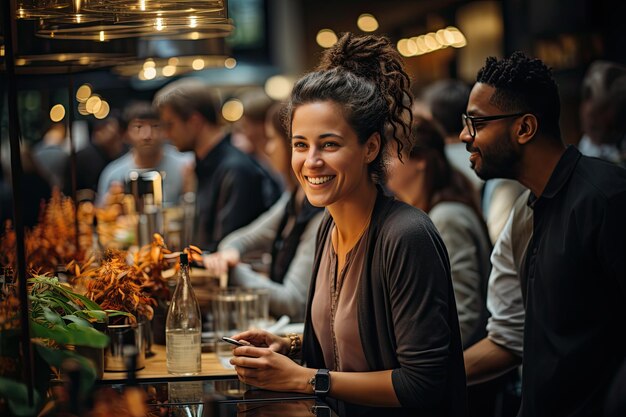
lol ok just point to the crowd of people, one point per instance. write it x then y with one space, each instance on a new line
431 245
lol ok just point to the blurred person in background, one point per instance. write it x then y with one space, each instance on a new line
51 155
106 145
444 102
603 112
249 134
233 188
426 179
499 195
149 152
287 231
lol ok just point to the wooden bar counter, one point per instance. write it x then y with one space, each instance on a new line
156 370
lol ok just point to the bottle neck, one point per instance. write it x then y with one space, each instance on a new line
183 276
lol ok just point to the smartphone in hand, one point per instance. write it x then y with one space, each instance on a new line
233 341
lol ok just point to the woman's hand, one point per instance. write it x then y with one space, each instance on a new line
218 263
267 369
264 339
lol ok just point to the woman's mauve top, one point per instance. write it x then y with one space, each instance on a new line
336 327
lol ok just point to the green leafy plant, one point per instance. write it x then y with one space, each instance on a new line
58 317
59 314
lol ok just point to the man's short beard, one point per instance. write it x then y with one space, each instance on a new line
500 161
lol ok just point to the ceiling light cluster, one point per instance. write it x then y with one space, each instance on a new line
430 42
104 20
155 68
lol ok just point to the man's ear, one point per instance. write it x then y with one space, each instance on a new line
195 119
526 128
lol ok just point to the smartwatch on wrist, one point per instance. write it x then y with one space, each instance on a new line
321 382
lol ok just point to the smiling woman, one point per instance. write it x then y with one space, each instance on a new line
381 327
328 159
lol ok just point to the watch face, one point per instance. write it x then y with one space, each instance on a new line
322 383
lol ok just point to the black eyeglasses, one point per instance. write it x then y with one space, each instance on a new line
470 121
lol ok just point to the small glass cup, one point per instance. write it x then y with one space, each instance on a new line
229 317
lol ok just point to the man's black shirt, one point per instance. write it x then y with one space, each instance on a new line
574 287
233 190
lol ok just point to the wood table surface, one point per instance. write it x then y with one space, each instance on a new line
156 370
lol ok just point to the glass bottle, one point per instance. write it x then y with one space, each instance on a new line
183 326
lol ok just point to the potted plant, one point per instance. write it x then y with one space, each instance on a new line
136 283
57 313
117 285
60 320
142 274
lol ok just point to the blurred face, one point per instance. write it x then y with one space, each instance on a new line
107 134
401 175
254 132
177 130
597 119
278 150
327 158
493 151
145 136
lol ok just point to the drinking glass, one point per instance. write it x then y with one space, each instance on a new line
230 316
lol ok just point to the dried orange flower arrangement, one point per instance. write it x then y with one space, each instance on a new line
150 263
115 285
132 283
52 241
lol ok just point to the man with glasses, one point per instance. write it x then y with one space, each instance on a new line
573 277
